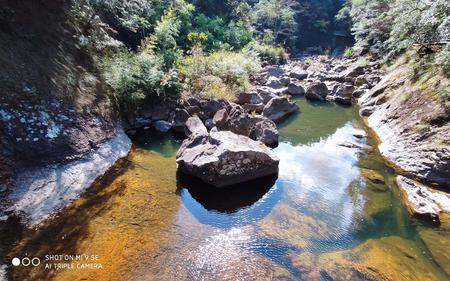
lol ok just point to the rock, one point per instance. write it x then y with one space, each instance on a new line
366 111
248 98
209 124
258 108
193 101
212 106
162 126
3 188
195 127
179 119
285 80
256 127
224 158
3 218
274 83
279 108
354 71
421 202
296 89
317 91
265 131
193 110
357 93
220 119
373 176
343 100
361 80
266 94
298 73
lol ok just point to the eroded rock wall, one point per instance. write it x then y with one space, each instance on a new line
410 112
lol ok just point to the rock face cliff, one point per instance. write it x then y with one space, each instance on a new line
54 106
410 112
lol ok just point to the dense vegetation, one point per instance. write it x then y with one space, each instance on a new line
205 47
212 48
388 28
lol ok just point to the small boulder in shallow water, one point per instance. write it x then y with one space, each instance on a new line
317 91
224 158
279 108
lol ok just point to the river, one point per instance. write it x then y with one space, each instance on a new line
321 219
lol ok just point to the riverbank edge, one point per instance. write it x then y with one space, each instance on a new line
41 192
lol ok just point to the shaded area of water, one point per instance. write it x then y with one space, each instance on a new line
321 219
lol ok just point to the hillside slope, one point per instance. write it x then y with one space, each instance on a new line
410 112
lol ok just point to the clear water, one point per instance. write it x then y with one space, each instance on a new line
319 220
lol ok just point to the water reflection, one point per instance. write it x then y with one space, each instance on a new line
237 205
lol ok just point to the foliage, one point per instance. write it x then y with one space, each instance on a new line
387 28
268 53
276 17
349 52
220 74
134 78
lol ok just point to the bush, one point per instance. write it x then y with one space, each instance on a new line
134 78
268 53
221 74
349 52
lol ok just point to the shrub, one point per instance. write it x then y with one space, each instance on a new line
349 52
221 74
134 79
268 53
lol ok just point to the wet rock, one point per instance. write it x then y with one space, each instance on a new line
317 91
421 201
373 176
296 89
195 127
220 119
279 108
179 119
224 158
162 126
298 73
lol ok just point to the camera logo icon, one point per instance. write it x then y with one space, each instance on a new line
26 261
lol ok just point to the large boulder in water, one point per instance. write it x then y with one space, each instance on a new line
317 91
224 158
279 108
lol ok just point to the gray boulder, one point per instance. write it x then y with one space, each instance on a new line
179 119
195 127
265 131
279 108
224 158
220 119
162 126
296 89
317 91
298 73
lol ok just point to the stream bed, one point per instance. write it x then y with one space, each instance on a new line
321 219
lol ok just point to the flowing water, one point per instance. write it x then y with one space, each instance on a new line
321 219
